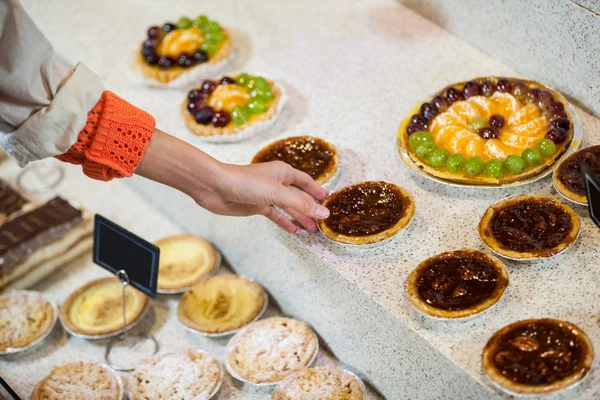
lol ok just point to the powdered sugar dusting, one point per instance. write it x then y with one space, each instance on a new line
321 383
24 317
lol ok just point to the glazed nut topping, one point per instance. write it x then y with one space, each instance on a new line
321 383
23 318
78 381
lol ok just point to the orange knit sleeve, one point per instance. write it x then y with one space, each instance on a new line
113 141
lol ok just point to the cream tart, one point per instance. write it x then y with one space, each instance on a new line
232 105
529 227
312 155
25 317
221 304
488 131
568 178
320 383
184 261
269 350
367 213
538 356
96 308
78 381
178 48
457 284
187 375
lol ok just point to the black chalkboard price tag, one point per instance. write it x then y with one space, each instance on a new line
592 186
116 249
6 393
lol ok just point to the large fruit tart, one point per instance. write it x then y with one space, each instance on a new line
488 131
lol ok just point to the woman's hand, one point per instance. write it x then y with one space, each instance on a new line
234 189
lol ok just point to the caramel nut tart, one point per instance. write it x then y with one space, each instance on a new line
96 308
221 304
269 350
190 375
529 227
568 178
312 155
25 317
457 284
174 49
320 383
79 381
488 131
538 356
184 261
367 213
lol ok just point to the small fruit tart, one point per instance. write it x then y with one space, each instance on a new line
172 50
488 131
232 107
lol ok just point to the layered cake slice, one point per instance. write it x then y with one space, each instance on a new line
35 241
10 201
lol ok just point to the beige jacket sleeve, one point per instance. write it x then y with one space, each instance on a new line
43 102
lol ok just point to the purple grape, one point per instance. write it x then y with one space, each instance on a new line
146 51
557 135
195 105
184 60
487 88
154 32
532 96
150 43
497 121
166 62
152 59
419 120
168 27
561 114
221 119
519 90
200 56
489 133
440 103
204 115
556 107
545 100
471 89
208 86
428 111
503 85
415 128
562 123
453 95
227 80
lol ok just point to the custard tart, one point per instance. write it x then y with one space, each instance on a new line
488 131
96 308
311 155
529 227
538 356
320 383
457 284
367 213
221 304
174 49
568 178
184 261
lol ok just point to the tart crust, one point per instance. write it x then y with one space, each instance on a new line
489 240
326 175
377 237
561 187
323 383
482 179
24 317
524 389
105 304
184 261
170 74
222 303
232 129
424 308
270 350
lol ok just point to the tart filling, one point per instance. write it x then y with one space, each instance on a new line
538 356
529 227
222 303
367 212
189 375
321 383
184 260
270 350
312 155
96 308
488 131
230 105
78 380
568 178
457 284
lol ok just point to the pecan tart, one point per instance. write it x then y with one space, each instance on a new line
174 49
457 284
367 212
25 317
538 356
96 308
188 375
78 381
568 178
312 155
184 261
268 351
529 227
231 105
222 303
320 383
488 131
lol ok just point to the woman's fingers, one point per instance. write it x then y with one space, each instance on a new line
289 197
305 182
307 223
280 219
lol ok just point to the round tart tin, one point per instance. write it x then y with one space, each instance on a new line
13 350
118 379
185 289
555 178
352 374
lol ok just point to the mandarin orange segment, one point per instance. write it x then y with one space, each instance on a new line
536 127
466 110
524 115
519 141
503 104
445 133
445 119
181 40
227 97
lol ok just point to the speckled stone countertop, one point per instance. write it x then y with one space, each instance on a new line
351 74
